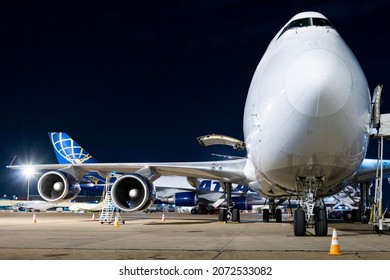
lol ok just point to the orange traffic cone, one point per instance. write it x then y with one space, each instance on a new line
116 223
34 219
163 218
335 247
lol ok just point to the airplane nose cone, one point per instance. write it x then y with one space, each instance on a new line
318 83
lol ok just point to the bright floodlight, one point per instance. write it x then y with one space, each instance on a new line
28 171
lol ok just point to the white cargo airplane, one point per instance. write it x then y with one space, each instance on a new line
307 125
84 206
34 205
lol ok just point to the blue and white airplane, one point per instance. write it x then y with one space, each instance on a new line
307 125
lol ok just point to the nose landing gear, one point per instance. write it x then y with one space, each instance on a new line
312 212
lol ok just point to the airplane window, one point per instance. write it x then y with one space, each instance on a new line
321 22
304 22
297 23
300 23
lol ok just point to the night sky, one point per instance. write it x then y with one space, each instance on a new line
138 82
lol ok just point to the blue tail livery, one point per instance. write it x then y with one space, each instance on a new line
68 151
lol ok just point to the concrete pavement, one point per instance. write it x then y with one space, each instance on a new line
182 236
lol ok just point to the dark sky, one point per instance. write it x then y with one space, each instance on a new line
138 81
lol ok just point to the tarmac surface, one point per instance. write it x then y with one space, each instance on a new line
75 236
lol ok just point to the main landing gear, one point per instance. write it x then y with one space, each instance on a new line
312 212
231 214
273 212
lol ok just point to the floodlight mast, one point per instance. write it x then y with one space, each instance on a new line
28 171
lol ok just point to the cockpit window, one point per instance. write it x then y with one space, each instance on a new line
321 22
300 23
304 22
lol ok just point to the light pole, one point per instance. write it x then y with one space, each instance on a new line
28 172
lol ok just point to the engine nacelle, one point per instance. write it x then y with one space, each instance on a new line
133 192
57 186
186 199
180 199
241 204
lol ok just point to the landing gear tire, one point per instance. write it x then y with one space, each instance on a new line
278 215
236 216
229 215
299 223
321 224
222 215
265 215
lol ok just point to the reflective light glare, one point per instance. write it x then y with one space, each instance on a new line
28 171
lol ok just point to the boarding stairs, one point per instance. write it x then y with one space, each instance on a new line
108 209
382 130
377 219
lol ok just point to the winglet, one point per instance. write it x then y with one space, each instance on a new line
68 151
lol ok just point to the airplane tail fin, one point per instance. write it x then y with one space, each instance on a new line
68 151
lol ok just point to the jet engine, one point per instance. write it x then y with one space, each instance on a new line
242 204
181 199
186 199
57 186
133 192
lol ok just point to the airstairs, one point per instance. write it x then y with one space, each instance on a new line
109 214
382 131
377 219
108 209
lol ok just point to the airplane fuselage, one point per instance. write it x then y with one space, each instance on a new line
308 110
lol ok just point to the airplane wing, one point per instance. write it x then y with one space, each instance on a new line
367 170
238 171
134 191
